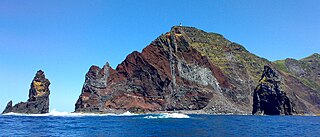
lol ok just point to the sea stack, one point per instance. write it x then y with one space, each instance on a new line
38 102
268 98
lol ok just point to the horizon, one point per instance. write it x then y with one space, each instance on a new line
65 38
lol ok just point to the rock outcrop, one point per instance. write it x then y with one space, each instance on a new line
38 102
186 69
268 98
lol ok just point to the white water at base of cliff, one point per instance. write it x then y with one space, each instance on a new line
56 113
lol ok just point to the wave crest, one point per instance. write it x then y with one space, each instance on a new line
55 113
167 115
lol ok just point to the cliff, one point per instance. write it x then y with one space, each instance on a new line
191 70
38 102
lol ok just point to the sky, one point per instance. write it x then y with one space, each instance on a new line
64 37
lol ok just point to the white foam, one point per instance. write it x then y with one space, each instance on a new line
56 113
127 114
167 115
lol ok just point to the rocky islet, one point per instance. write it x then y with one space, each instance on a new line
38 102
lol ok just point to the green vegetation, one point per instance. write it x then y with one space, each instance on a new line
234 60
231 58
281 65
305 65
310 83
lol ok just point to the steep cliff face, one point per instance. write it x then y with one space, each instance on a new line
184 69
156 79
38 102
307 69
268 98
302 79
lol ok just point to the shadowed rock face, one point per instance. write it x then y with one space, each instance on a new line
268 98
38 102
189 69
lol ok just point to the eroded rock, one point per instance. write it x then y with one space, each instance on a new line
268 98
38 102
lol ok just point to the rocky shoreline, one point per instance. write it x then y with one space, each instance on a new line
191 71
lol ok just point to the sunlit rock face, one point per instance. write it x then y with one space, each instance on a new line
38 102
184 69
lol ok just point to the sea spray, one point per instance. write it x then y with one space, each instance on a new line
55 113
166 115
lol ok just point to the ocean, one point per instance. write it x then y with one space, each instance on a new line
156 125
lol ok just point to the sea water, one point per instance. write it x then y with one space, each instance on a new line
161 125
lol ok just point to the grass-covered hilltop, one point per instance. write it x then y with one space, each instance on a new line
192 71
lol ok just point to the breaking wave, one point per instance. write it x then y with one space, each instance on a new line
55 113
167 115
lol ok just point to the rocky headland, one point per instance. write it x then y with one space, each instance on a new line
38 102
192 71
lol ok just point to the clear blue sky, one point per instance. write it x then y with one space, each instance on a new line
64 38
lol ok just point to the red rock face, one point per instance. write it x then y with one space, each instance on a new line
169 74
302 81
305 99
156 79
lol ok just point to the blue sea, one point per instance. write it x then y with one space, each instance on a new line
157 125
